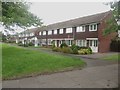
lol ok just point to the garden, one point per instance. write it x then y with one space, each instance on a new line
73 49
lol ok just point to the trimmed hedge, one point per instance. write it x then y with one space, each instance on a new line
115 46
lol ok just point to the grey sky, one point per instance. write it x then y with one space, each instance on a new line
52 12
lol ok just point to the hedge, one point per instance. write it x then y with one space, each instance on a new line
115 46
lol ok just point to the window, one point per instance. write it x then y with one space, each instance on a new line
49 32
90 42
80 29
68 42
61 31
39 33
44 32
55 31
93 27
81 43
49 42
68 30
95 43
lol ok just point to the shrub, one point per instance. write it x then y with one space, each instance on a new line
63 45
83 47
75 46
115 45
82 51
85 51
75 50
53 45
20 43
67 50
26 45
57 49
31 44
90 50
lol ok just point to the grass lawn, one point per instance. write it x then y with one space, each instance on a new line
112 57
20 62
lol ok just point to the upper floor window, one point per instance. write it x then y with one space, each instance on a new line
55 31
44 32
68 30
93 27
49 32
61 31
39 33
80 29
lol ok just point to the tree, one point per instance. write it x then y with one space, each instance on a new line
16 13
112 25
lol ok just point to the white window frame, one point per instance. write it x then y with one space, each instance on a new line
61 31
55 31
92 27
82 43
40 33
81 28
50 32
44 32
68 30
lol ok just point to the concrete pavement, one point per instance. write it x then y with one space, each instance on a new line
91 77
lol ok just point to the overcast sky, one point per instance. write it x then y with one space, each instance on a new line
52 12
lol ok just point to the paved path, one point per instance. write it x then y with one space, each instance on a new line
92 77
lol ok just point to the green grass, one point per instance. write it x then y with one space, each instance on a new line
112 57
20 62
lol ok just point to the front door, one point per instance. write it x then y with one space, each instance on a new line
93 44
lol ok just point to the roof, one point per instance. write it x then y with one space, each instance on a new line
33 30
96 18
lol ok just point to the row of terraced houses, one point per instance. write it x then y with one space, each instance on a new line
83 31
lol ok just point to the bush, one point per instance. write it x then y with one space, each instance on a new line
75 50
115 45
83 48
53 45
57 49
90 50
20 43
75 46
67 50
31 44
85 51
26 45
63 45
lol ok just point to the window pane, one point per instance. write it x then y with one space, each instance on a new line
61 31
55 31
68 30
90 42
95 27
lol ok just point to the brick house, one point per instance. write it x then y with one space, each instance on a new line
27 36
84 31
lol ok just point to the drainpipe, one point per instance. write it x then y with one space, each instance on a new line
74 31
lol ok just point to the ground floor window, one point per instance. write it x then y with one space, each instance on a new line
81 43
49 42
68 42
